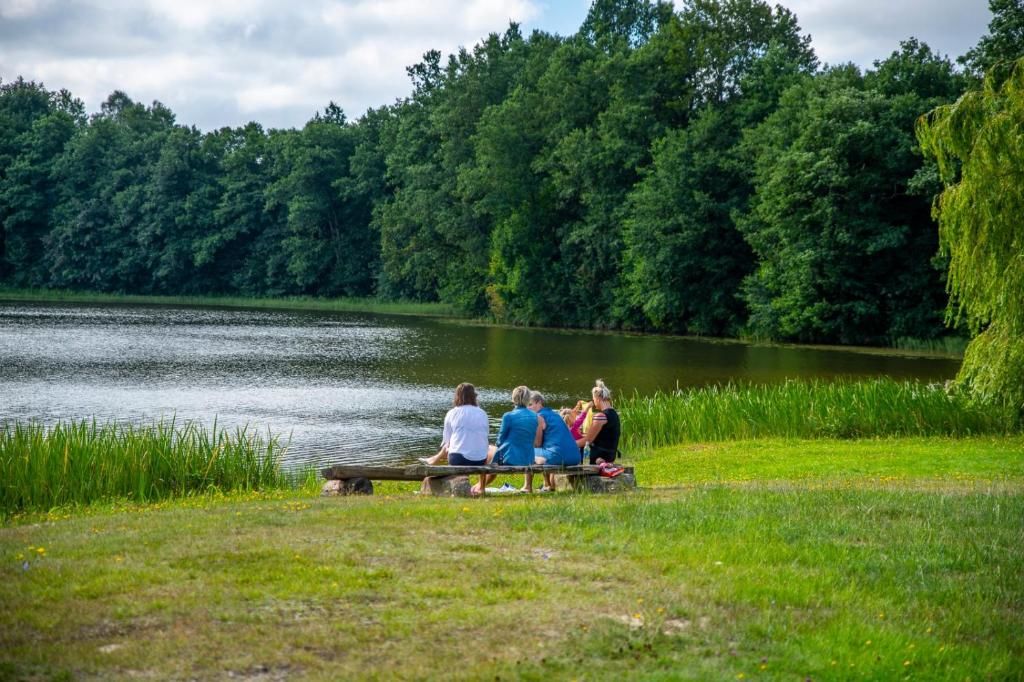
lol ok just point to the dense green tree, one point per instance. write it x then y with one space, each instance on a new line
36 125
180 198
729 38
219 251
1003 44
534 156
330 247
844 244
613 24
99 239
685 258
433 243
979 145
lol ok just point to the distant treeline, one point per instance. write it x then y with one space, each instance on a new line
691 171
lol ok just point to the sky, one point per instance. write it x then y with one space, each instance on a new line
226 62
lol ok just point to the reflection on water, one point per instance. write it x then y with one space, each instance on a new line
351 387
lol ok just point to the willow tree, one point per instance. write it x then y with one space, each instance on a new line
979 145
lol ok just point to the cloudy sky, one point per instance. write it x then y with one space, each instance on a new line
226 62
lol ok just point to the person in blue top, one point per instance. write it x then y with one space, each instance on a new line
516 436
554 444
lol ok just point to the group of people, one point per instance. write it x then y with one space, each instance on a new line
531 433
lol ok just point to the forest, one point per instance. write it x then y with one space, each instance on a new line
693 170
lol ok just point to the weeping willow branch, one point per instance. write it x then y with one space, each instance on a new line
978 143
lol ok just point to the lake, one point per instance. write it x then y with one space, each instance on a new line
354 387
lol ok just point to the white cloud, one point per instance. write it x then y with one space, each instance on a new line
862 31
226 62
231 61
16 9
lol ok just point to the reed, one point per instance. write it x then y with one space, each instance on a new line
346 305
804 409
83 461
946 345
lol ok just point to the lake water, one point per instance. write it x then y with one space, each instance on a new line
353 387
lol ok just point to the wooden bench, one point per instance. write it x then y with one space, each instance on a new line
454 480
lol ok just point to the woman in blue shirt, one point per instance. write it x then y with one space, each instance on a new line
554 443
514 446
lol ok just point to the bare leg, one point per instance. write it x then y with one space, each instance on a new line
442 454
528 478
549 480
480 488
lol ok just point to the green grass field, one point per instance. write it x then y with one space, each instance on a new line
767 559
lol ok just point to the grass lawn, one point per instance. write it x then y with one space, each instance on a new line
887 559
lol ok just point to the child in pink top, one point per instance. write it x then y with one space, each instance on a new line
574 418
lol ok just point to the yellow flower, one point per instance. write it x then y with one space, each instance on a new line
41 550
740 676
906 662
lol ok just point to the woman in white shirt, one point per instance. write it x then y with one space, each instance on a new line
465 432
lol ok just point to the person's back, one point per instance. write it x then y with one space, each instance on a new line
515 437
606 444
465 432
558 438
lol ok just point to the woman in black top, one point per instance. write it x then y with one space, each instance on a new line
604 431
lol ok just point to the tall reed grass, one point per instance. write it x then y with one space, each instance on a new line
948 345
81 462
804 409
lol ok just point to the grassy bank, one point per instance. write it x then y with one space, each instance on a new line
888 559
348 305
946 345
76 463
82 462
805 409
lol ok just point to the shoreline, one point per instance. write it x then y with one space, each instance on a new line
441 311
301 303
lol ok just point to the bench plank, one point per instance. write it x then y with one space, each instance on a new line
417 472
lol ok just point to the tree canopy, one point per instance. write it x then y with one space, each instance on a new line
687 168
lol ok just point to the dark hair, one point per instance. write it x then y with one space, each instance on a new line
465 394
